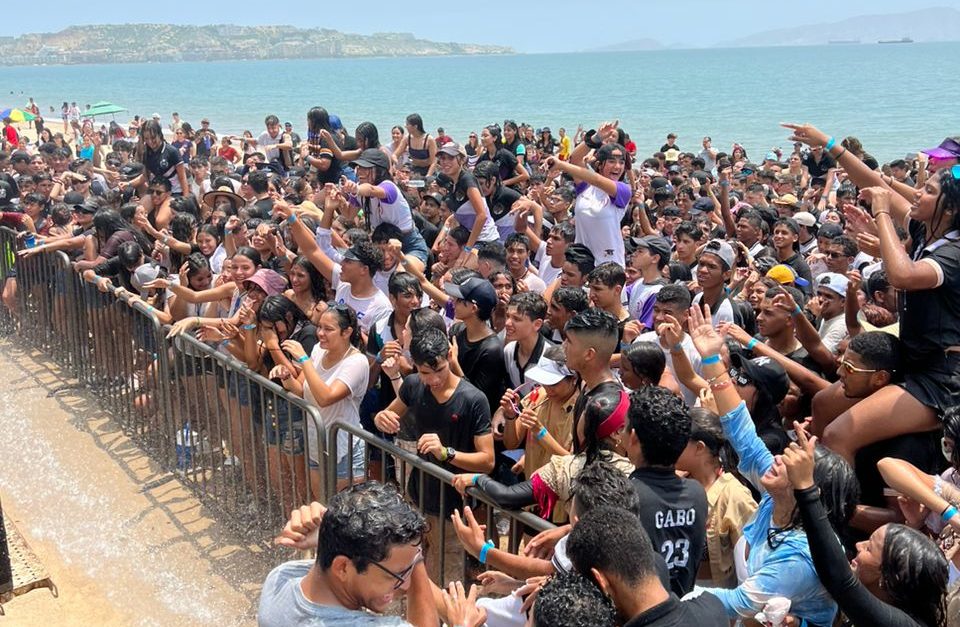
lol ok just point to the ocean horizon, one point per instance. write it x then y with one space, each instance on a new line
732 94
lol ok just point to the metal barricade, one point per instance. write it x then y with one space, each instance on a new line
409 469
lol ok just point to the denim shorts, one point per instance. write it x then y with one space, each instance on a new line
285 428
414 244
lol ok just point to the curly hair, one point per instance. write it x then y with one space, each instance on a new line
662 424
570 600
364 522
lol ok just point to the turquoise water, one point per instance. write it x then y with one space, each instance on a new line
882 94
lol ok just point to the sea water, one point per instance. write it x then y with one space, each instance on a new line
896 99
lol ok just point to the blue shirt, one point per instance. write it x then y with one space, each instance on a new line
784 571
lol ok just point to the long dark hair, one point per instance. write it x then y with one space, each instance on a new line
915 573
250 253
949 200
368 131
108 222
951 429
346 319
416 121
279 308
318 119
318 285
600 407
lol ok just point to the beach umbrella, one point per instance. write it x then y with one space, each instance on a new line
102 108
16 115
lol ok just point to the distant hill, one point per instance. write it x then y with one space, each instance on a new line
634 45
136 43
925 25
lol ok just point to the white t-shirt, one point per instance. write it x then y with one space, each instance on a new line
689 397
640 295
833 331
466 216
548 273
534 283
369 309
354 371
266 144
393 209
597 216
724 312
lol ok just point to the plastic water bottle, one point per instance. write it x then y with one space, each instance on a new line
185 439
30 240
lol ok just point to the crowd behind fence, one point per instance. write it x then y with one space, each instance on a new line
231 435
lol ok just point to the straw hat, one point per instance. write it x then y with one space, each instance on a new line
224 191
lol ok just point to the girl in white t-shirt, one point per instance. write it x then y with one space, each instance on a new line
334 378
602 196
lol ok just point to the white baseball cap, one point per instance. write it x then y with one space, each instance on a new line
548 372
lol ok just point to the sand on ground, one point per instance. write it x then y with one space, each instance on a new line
125 542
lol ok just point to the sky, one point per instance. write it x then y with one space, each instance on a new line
529 26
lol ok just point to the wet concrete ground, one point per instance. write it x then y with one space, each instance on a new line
124 541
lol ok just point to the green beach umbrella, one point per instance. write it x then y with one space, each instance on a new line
17 115
102 108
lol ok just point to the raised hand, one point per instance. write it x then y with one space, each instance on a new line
798 458
706 339
301 530
807 134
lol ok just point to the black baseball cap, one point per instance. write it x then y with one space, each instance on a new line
90 205
478 291
764 373
131 171
372 158
72 199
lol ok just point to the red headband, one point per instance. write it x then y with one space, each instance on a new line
615 421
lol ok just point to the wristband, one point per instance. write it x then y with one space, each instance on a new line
710 359
248 327
542 433
797 311
830 144
303 359
444 455
948 513
677 348
291 218
753 342
476 478
150 308
482 557
469 249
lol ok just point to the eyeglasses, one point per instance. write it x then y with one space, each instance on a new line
403 575
851 369
157 192
836 255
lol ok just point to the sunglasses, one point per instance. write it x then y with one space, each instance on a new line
403 575
851 369
157 192
836 255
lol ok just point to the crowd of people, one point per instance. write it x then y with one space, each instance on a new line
731 383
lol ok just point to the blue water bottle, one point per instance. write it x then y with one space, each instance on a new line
30 240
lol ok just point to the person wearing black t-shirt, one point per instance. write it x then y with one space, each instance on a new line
160 159
591 339
451 420
673 510
479 357
818 162
512 173
500 198
616 555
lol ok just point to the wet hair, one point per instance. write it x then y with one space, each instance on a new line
318 284
600 483
565 230
600 407
317 120
529 304
915 573
369 255
346 319
185 205
951 429
879 350
487 170
401 283
609 540
494 252
250 253
646 359
661 423
416 122
600 326
496 274
385 232
279 308
107 222
609 274
429 346
580 256
364 522
130 255
949 198
571 600
675 294
705 427
680 271
690 229
572 299
606 151
425 318
517 238
259 181
849 246
182 226
60 214
356 235
196 262
460 235
213 230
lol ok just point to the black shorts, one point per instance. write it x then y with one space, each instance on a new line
936 384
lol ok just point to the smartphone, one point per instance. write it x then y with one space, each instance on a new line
416 183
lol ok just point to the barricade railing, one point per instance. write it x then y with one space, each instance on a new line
237 439
411 474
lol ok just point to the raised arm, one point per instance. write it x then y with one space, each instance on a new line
902 272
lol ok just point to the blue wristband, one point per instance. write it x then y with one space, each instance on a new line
542 433
797 311
248 327
948 513
469 249
482 558
830 144
292 218
710 359
753 342
303 359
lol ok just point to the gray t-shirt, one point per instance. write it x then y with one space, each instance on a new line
282 604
